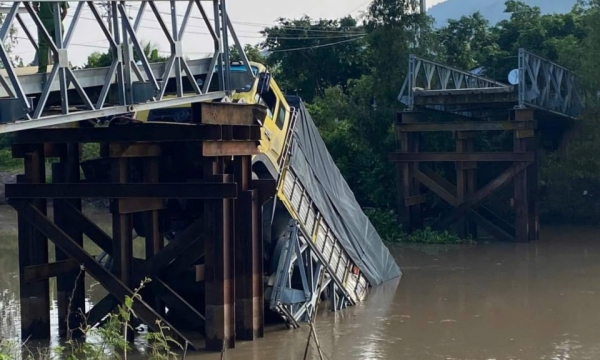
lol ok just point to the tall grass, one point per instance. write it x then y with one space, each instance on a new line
112 342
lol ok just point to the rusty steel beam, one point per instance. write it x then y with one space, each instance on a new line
50 150
128 206
135 150
248 269
219 276
46 271
202 190
490 227
467 126
464 156
137 133
247 254
82 223
228 113
503 99
439 190
229 148
70 286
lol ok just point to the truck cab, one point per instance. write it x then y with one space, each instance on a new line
262 89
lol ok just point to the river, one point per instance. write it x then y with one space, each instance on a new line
489 301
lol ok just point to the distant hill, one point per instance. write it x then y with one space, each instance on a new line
493 10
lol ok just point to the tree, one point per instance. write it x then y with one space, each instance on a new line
10 43
98 59
396 29
253 53
150 52
311 55
468 42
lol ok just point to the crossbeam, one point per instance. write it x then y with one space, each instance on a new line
467 126
480 195
485 218
154 266
464 156
202 190
139 133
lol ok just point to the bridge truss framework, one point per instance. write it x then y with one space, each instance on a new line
124 87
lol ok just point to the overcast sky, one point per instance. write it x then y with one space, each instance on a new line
248 17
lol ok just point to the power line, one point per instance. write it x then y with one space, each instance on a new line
316 46
350 36
359 6
262 25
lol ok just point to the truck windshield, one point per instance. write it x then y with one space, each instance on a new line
240 81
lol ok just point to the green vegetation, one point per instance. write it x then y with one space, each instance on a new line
7 163
391 231
111 344
104 59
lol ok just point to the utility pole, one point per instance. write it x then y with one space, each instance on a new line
423 7
107 14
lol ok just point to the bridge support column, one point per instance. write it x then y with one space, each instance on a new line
526 183
33 252
466 198
248 255
408 187
71 284
466 180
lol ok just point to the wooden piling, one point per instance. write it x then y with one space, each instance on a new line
33 250
219 274
248 259
70 285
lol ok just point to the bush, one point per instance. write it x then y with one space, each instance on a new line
390 231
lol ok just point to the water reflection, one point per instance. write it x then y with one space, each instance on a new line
493 301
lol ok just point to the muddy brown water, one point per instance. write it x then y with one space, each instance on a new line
489 301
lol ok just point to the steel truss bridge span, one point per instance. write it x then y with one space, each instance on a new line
27 98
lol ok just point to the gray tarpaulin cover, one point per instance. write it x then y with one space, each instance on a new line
317 171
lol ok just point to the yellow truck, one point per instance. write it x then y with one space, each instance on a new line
314 225
274 129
